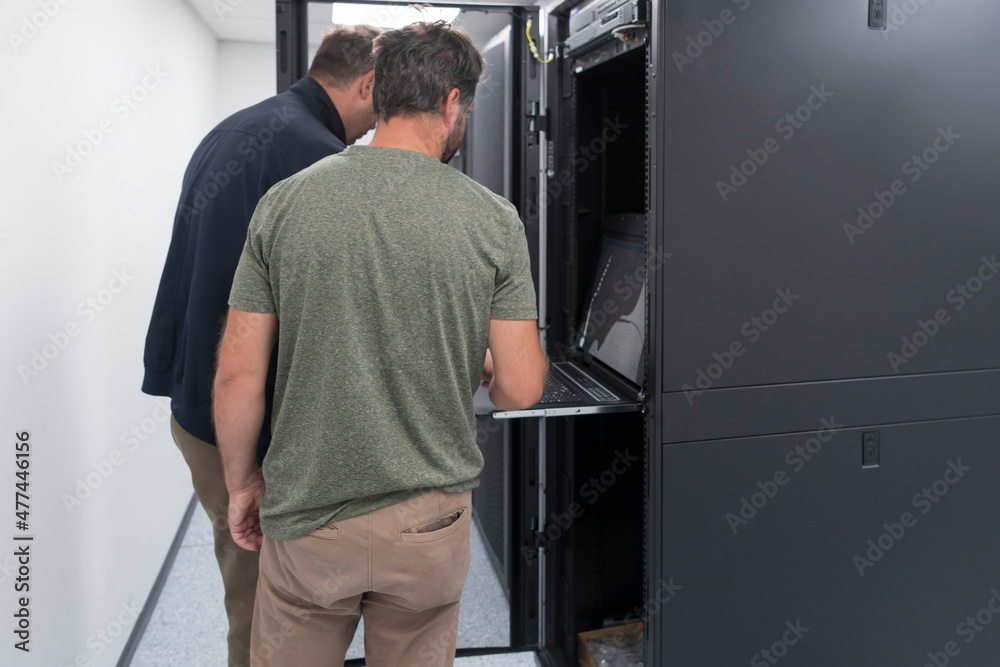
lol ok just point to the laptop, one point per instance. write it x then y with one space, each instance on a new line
603 373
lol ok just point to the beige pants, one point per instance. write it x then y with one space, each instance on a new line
402 568
238 566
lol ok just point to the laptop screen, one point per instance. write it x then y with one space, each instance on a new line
613 328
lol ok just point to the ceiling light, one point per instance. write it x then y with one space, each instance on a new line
389 16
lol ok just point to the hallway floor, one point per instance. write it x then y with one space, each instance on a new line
188 626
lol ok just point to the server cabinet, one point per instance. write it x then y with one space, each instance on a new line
787 547
825 355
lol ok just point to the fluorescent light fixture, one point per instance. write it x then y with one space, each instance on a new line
389 16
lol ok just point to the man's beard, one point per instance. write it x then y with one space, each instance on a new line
454 141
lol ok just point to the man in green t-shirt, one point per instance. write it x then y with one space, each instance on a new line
395 285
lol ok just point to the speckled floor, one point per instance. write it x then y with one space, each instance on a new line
188 626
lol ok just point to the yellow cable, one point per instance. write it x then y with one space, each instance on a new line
534 49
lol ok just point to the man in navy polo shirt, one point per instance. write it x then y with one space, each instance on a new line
232 168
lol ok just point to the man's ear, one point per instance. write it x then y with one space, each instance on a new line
367 83
451 108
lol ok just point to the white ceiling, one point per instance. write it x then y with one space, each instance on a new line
253 20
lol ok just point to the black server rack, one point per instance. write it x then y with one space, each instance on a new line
824 424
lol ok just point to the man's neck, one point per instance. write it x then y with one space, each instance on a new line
339 99
409 133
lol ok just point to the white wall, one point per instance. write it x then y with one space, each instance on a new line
246 75
64 234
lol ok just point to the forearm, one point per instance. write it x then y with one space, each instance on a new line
239 415
507 397
501 399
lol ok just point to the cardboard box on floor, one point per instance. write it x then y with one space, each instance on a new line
626 633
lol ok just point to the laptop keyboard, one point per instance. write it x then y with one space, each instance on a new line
597 391
556 391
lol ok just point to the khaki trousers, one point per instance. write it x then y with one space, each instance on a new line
237 565
401 567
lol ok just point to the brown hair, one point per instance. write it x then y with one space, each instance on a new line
344 55
417 66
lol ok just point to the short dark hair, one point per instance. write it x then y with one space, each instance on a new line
416 67
344 55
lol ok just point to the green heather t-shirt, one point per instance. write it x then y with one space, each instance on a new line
384 267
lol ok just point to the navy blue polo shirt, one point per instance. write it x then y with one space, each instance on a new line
229 172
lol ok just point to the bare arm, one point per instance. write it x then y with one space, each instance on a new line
238 409
488 369
519 364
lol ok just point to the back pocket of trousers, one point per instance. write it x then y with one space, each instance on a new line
436 529
327 531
